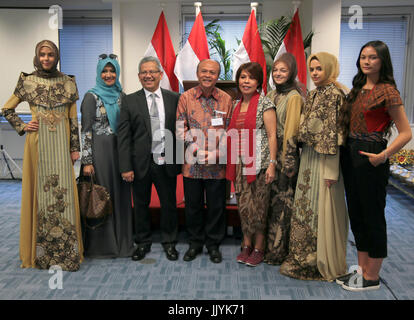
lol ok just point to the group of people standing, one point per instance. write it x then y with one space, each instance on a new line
291 155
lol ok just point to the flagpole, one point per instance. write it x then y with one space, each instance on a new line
197 6
254 6
162 5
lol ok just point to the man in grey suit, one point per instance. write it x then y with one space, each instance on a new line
146 143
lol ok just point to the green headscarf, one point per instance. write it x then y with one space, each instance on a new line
109 94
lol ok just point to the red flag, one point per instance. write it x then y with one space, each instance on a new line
194 50
293 43
162 48
251 49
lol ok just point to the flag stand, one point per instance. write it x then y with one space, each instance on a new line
254 6
5 157
6 161
197 6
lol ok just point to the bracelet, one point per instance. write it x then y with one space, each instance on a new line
272 161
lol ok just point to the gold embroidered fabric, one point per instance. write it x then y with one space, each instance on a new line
14 120
46 92
319 125
50 118
50 222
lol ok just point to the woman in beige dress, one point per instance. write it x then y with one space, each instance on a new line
50 231
319 225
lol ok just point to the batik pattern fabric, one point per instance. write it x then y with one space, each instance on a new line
288 110
252 202
50 231
369 113
320 127
301 260
253 198
100 127
196 112
262 141
57 242
319 223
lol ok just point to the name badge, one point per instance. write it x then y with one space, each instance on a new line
217 122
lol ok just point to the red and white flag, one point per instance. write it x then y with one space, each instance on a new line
293 43
250 49
162 48
194 50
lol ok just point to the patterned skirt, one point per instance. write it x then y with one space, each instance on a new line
50 231
319 225
280 213
252 202
301 263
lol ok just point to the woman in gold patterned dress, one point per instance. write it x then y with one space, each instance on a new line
319 225
50 231
288 101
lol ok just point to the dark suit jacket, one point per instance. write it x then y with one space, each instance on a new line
135 136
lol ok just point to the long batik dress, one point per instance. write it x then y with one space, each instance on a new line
253 198
50 230
319 225
113 237
288 110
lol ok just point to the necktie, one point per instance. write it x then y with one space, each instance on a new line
155 125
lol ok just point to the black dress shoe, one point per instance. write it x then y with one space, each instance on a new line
140 253
192 253
215 255
171 253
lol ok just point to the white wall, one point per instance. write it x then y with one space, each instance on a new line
20 31
326 25
137 24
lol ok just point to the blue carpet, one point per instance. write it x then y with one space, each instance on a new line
156 278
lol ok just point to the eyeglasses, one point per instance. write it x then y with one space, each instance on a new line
151 72
111 55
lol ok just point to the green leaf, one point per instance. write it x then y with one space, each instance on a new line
272 33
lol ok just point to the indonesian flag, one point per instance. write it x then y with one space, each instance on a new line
194 50
162 48
250 49
293 43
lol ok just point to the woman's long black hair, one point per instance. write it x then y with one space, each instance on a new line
386 71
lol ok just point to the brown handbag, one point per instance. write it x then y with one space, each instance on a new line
94 200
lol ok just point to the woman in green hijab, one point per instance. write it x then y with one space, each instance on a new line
109 237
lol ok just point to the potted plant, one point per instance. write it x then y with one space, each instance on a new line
272 34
